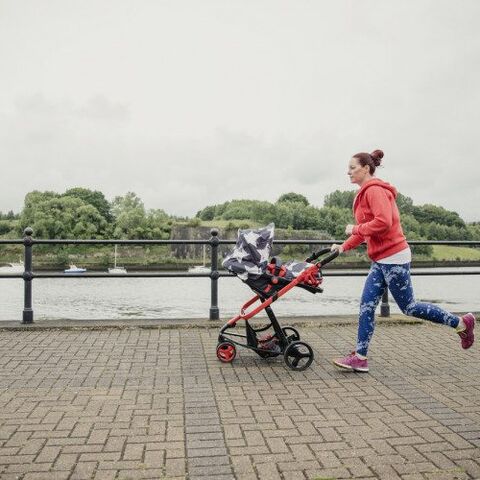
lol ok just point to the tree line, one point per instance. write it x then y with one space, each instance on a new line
293 210
83 213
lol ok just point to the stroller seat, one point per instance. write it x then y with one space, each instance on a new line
249 261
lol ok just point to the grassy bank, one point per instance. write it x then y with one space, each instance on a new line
446 252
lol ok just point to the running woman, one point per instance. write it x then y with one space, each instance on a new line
378 224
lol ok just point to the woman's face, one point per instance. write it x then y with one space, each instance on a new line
357 173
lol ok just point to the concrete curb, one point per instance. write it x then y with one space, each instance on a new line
320 321
195 323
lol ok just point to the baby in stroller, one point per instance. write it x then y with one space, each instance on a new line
269 280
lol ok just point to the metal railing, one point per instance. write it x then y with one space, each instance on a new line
28 275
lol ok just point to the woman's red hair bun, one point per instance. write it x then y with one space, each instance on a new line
377 156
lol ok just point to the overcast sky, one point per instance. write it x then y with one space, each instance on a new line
190 103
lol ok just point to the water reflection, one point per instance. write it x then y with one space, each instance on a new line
115 298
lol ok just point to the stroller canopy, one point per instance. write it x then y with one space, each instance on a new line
251 254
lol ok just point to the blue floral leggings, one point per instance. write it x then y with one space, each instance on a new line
397 279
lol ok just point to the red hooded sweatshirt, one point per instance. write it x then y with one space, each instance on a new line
378 221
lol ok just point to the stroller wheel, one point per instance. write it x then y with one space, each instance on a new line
291 333
298 355
226 352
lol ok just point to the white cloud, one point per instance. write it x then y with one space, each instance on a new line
190 104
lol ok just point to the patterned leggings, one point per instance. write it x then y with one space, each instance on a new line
397 279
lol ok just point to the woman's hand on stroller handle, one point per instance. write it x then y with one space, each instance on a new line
337 247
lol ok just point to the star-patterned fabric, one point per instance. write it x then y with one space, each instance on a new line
251 254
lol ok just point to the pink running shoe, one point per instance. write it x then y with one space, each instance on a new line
352 363
467 337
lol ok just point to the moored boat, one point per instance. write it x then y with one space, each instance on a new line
75 269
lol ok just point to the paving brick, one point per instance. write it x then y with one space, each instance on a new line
29 467
133 403
133 451
50 476
328 473
242 465
202 461
210 471
268 471
175 467
83 471
105 475
294 475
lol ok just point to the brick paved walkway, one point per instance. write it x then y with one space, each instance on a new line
156 404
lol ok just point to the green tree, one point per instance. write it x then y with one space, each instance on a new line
474 230
334 219
435 231
54 216
411 226
130 217
126 202
207 214
93 197
241 210
293 197
8 216
340 199
5 227
404 203
427 214
159 224
31 205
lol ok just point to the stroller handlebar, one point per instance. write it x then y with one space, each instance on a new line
327 259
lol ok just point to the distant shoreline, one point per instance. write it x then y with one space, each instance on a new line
331 266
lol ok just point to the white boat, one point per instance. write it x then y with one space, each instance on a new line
115 268
200 268
75 269
12 268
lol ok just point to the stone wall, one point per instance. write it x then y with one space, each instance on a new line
203 233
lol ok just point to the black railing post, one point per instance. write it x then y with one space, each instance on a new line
385 307
27 276
214 311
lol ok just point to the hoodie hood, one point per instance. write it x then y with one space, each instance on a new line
371 183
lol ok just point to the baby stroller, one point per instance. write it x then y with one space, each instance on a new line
269 281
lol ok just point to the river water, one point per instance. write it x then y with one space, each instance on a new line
122 298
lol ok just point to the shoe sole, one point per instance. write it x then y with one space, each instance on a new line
348 368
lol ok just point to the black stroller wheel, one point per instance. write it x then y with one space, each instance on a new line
298 355
291 333
226 352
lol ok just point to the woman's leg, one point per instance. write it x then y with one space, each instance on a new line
372 293
399 283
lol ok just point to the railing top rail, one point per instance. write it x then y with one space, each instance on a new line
471 243
327 273
11 242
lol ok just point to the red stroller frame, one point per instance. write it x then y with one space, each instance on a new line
298 355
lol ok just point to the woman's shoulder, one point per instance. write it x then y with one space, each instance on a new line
379 188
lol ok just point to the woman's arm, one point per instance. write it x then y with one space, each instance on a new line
381 207
352 242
